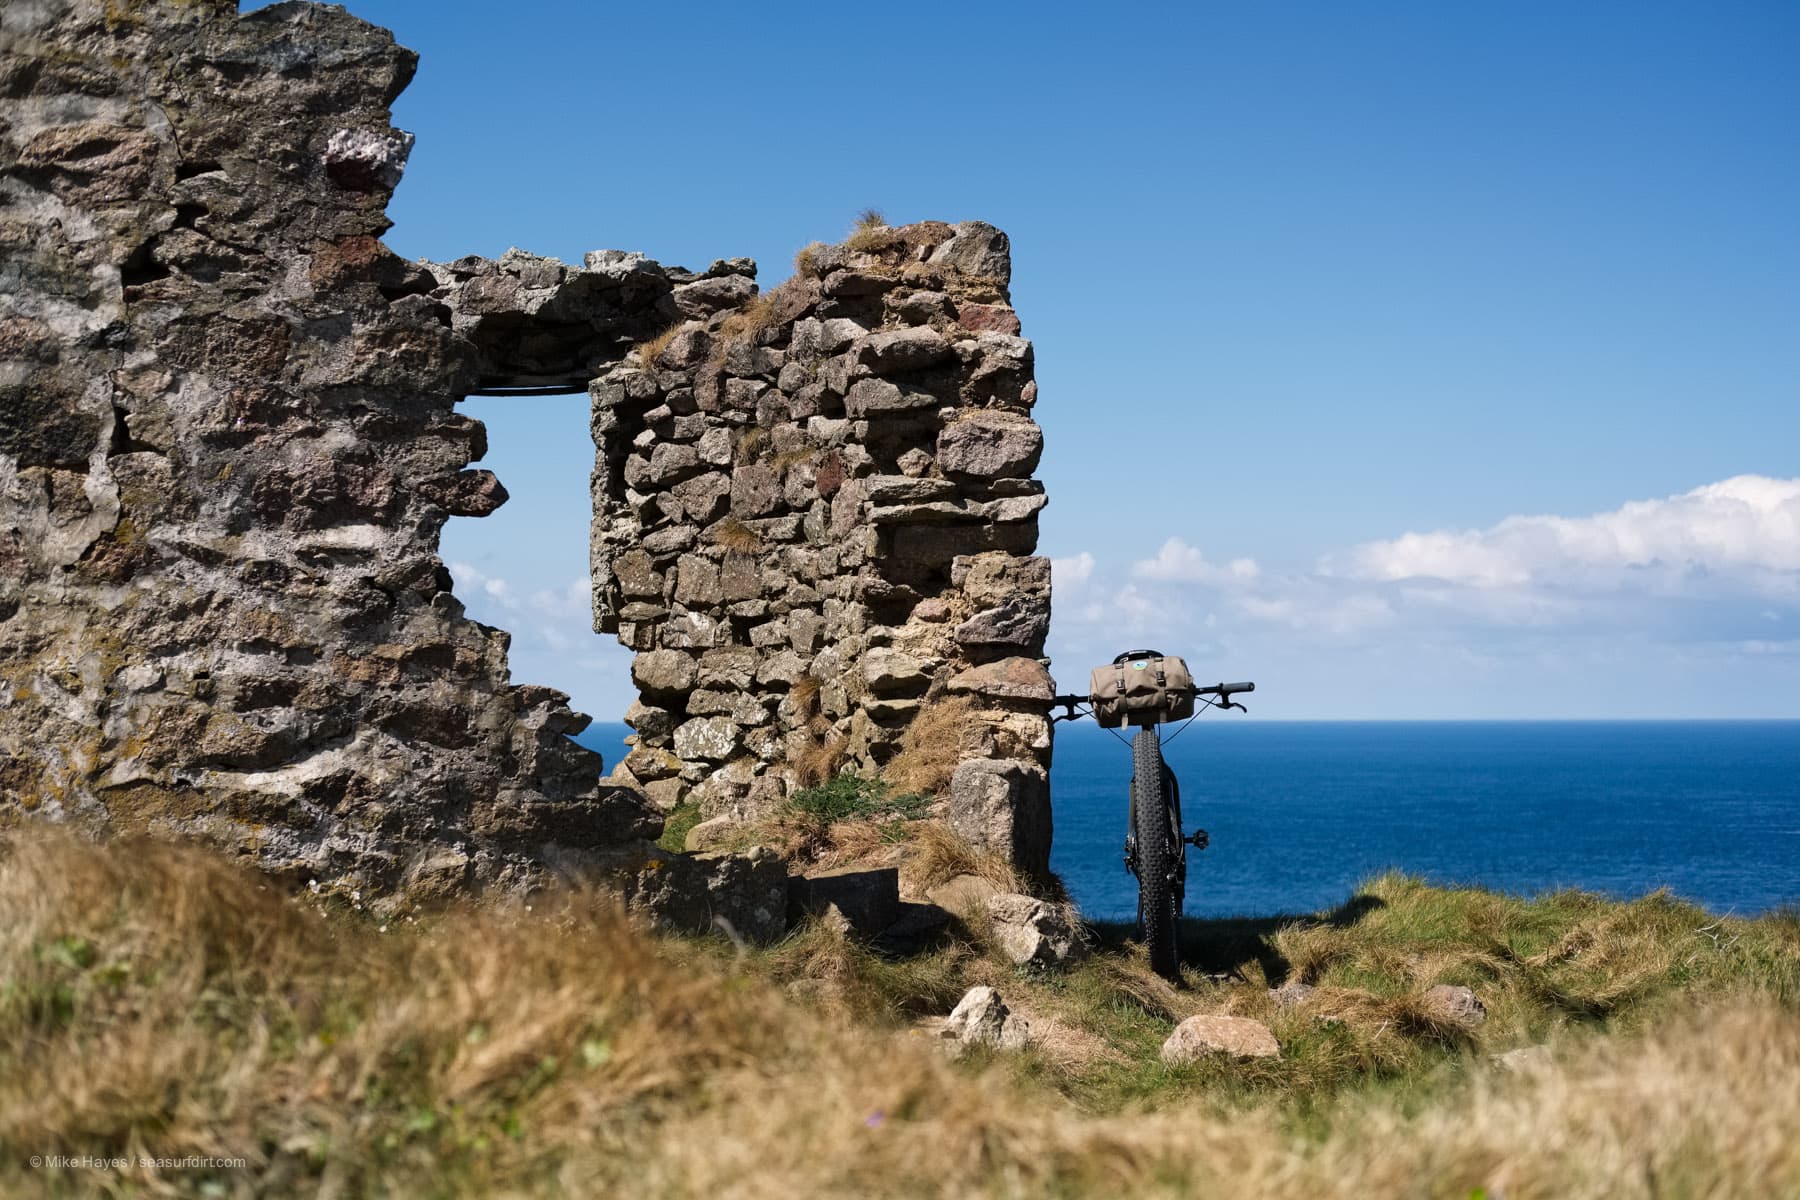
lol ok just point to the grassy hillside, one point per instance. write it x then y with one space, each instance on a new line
155 1001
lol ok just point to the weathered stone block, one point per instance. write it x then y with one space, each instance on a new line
990 444
743 896
890 671
977 249
707 739
1008 679
879 397
1235 1037
697 581
1033 932
1020 622
901 350
1003 805
664 673
867 901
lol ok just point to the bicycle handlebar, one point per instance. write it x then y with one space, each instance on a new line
1223 691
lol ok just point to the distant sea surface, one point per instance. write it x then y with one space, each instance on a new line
1299 812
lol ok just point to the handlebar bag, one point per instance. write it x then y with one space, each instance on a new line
1141 689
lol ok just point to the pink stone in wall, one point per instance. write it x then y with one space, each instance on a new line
985 318
829 475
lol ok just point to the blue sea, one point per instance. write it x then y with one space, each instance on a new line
1299 812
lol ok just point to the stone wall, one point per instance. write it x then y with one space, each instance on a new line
228 443
814 520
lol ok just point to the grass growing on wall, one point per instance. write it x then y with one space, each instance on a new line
849 797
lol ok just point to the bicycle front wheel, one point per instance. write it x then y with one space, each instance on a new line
1154 827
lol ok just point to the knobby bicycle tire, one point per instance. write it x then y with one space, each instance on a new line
1156 855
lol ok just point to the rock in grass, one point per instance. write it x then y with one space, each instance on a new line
981 1018
864 901
1456 1003
1291 995
743 894
1239 1037
962 894
1032 933
1525 1058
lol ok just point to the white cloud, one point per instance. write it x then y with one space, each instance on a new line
1718 566
1309 610
471 582
570 602
1178 562
1749 523
1072 571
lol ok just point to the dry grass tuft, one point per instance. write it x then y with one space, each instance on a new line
940 736
821 759
806 262
751 445
648 352
805 695
936 855
735 536
159 1001
871 234
750 319
799 456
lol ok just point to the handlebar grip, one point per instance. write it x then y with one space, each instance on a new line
1226 689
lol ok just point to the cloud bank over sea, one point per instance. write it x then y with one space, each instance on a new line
1656 594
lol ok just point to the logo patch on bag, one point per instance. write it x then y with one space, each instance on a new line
1138 666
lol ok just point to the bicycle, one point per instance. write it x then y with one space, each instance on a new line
1155 847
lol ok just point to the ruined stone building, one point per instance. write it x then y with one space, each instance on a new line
229 441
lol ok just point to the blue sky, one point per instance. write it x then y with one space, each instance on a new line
1357 272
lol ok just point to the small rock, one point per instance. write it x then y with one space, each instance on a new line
990 318
710 833
436 875
1239 1037
981 1018
1021 621
1033 933
1525 1058
931 611
905 489
977 249
1291 995
962 894
1456 1003
364 159
879 396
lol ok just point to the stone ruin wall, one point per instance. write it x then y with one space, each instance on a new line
229 441
814 517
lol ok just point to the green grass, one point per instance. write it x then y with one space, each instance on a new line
676 826
1566 964
852 797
